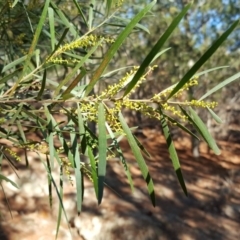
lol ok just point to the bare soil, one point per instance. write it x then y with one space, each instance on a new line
211 210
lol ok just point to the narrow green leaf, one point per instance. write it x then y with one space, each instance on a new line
51 148
28 18
198 75
159 54
81 126
14 3
81 13
11 65
67 151
40 93
7 202
37 58
93 170
76 68
90 13
60 208
77 169
67 93
221 85
120 19
115 46
102 145
209 70
59 194
20 129
52 27
49 183
140 160
9 76
178 124
60 42
116 71
8 180
33 45
205 133
17 113
173 153
121 156
215 116
108 6
142 147
49 139
155 50
64 19
203 59
202 129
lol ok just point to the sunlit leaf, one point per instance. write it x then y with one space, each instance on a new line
102 141
139 158
52 27
173 153
116 45
77 170
8 180
215 116
108 6
93 170
209 70
81 12
221 85
33 44
155 50
40 93
178 124
74 71
201 128
121 156
203 59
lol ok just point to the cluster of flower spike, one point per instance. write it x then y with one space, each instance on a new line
202 104
13 154
149 107
160 97
66 165
84 42
113 89
10 3
119 3
172 106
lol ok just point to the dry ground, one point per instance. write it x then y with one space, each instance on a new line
211 211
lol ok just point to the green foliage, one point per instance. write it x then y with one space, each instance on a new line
73 59
201 26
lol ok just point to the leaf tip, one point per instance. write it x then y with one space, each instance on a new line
217 152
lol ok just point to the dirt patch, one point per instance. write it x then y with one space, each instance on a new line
211 211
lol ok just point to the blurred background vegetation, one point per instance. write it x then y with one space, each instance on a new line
201 26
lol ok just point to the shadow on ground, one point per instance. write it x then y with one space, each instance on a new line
211 211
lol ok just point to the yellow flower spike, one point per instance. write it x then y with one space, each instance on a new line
10 3
66 164
162 95
13 154
112 90
119 3
84 42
